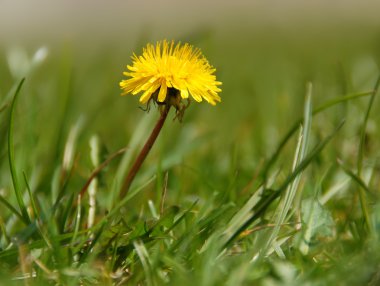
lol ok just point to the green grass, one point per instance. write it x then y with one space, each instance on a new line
277 185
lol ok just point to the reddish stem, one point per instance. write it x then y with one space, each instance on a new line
144 152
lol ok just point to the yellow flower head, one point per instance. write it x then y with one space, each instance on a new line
168 69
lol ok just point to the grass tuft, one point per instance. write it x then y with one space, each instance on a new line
271 187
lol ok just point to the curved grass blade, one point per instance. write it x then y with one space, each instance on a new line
10 207
91 246
364 127
362 195
60 239
65 214
265 202
96 172
11 158
78 219
129 196
32 201
286 202
37 216
295 126
357 179
3 107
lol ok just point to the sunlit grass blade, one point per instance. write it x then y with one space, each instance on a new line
304 163
362 195
63 189
364 127
357 179
65 213
38 218
91 245
57 242
3 107
77 220
243 215
100 168
145 261
32 201
10 207
128 197
286 203
295 126
11 158
133 145
265 202
177 221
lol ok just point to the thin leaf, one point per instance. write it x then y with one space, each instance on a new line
128 197
267 200
90 247
11 158
32 201
77 221
362 195
356 178
286 203
96 172
143 254
295 126
364 127
10 207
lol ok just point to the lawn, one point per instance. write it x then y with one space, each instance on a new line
276 185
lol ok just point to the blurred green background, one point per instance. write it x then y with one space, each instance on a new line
73 53
264 53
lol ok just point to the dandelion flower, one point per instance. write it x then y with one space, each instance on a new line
168 73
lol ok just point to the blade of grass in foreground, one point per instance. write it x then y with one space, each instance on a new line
362 195
10 207
364 127
37 215
285 204
145 260
32 201
264 203
295 126
357 179
11 158
129 196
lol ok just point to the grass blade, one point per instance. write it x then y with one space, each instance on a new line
32 201
364 127
11 158
295 126
285 204
267 200
129 196
362 195
146 263
10 207
356 178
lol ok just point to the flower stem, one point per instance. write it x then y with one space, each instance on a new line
144 152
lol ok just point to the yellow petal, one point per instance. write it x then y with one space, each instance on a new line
184 93
169 65
145 97
163 91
